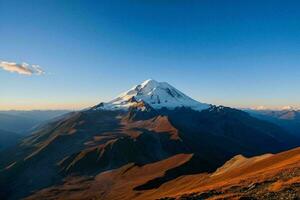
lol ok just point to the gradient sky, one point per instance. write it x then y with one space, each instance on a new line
235 53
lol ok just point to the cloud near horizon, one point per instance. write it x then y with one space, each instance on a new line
21 68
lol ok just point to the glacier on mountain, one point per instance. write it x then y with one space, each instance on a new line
157 94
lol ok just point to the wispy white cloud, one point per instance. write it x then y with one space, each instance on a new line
21 68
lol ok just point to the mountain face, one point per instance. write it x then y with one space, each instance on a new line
134 129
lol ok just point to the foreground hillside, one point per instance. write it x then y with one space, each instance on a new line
263 177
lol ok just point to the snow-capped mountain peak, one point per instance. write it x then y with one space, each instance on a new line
157 94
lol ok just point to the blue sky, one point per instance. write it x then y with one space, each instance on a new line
235 53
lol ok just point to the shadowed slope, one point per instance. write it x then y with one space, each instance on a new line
8 139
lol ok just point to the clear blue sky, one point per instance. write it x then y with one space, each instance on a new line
235 53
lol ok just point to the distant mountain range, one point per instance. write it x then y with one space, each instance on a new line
151 123
287 119
14 125
23 121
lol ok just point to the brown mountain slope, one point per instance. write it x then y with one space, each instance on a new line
115 184
262 177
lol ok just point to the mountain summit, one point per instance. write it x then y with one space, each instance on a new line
157 94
